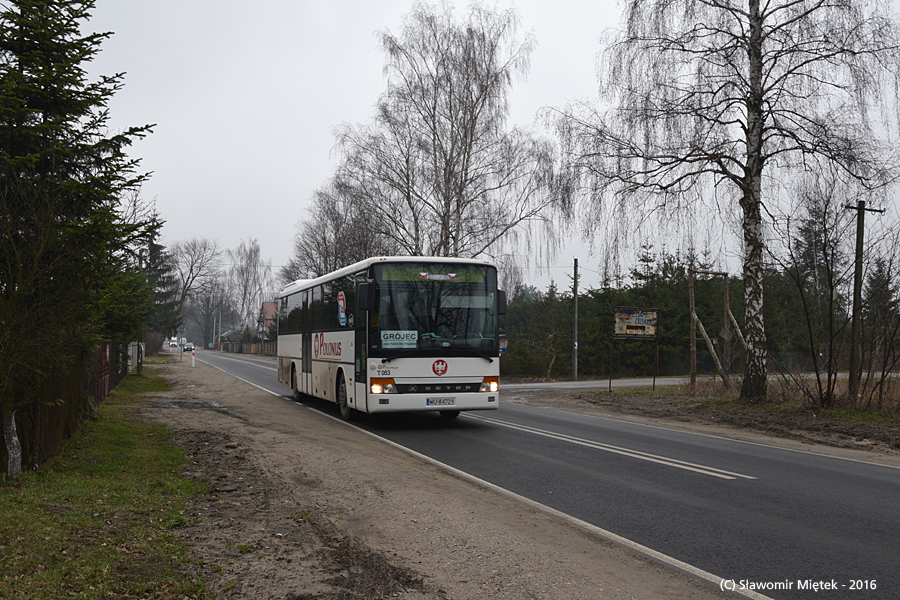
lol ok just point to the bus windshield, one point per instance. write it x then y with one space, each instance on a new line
434 306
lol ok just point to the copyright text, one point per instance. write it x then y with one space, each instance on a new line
812 585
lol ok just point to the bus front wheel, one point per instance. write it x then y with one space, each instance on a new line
346 411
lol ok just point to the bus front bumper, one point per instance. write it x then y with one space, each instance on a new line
382 403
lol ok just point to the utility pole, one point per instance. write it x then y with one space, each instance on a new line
575 326
860 209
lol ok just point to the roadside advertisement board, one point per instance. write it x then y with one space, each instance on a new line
636 323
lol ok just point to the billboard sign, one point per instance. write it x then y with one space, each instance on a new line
636 323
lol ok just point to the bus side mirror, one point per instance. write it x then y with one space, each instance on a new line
501 302
365 295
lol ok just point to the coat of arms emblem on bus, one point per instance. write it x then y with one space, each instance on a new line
439 367
342 308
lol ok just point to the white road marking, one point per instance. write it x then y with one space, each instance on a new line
244 362
244 380
671 462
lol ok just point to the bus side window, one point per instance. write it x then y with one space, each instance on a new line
318 309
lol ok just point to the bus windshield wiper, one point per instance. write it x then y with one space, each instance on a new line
402 354
418 350
481 354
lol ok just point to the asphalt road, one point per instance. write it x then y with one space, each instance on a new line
786 524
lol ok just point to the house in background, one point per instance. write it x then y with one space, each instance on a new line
267 315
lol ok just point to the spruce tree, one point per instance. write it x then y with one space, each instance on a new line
62 180
166 315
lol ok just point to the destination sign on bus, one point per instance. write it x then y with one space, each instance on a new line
429 272
399 339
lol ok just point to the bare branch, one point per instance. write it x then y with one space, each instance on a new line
727 95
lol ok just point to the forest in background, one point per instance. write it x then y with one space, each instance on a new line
807 309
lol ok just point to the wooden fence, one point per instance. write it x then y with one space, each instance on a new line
263 348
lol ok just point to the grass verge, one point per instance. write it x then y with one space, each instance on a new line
97 521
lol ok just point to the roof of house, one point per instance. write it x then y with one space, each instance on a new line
269 310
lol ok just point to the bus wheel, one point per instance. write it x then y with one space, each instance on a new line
294 387
346 411
449 414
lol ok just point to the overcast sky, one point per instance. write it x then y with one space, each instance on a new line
245 97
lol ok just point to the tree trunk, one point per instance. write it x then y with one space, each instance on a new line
13 447
755 375
755 372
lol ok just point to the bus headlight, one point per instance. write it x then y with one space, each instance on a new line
490 384
379 385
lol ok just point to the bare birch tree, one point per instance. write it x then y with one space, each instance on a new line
437 170
724 97
249 281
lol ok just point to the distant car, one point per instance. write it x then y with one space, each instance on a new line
188 346
173 344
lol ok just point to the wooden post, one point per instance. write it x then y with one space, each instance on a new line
693 330
712 352
610 362
656 367
727 328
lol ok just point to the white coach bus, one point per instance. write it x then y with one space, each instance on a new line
394 334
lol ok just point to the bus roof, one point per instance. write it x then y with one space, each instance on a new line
301 284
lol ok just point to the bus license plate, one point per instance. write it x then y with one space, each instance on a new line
440 401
